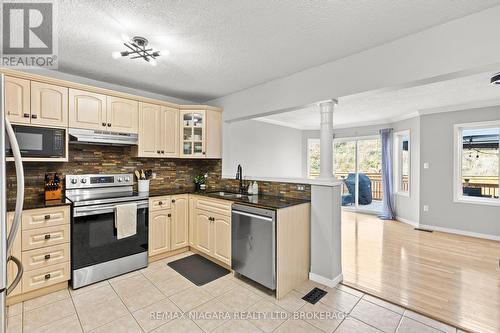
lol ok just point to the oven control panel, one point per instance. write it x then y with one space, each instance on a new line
91 181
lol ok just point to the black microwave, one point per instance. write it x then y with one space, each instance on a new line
40 142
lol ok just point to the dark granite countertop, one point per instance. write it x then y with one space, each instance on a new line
259 200
38 203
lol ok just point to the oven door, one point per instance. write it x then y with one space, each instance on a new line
39 141
93 235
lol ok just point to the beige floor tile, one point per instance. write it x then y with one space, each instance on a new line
101 314
15 309
412 326
237 326
268 315
121 325
190 298
340 300
173 285
220 286
296 326
69 324
137 292
376 316
45 300
291 302
308 285
210 315
179 326
385 304
239 298
157 314
160 274
429 322
321 316
15 324
349 290
88 288
94 297
34 319
351 325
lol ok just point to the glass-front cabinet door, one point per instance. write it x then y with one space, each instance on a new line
193 136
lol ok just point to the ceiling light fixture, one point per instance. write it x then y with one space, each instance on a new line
495 79
137 49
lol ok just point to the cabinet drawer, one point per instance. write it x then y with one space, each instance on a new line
222 207
160 203
45 217
45 256
37 238
46 276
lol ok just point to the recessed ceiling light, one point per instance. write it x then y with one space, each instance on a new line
495 79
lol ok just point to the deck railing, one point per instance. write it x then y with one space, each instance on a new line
488 184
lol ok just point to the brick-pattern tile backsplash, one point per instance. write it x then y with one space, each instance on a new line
170 173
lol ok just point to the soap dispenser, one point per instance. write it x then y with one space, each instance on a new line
255 188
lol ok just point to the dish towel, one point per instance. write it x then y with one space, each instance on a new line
126 220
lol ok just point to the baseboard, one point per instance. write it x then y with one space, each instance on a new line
460 232
327 282
406 221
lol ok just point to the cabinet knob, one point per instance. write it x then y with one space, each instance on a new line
47 276
47 236
26 115
157 151
160 203
203 153
173 200
47 217
109 124
163 152
47 257
103 124
34 116
169 215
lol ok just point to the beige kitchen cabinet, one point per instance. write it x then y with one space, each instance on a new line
212 227
180 221
122 115
192 133
169 131
49 105
192 225
17 100
16 252
159 232
213 145
87 110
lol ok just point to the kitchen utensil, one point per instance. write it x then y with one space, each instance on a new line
143 176
137 174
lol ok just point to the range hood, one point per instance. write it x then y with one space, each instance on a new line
86 136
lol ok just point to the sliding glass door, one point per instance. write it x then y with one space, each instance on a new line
358 162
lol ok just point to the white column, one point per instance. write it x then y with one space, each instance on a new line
326 140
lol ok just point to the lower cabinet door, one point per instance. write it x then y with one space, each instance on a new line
203 231
159 232
222 238
46 276
180 213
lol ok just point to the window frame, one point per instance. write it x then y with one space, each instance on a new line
398 165
458 196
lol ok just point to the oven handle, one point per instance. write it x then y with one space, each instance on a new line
103 209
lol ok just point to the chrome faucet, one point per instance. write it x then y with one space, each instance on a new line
239 176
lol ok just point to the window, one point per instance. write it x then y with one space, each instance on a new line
313 158
402 162
477 163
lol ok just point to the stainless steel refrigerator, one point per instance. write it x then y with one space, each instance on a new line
6 241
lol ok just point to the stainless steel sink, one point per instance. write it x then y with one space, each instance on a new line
229 194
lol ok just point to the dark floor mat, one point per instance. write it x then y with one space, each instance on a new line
198 270
314 295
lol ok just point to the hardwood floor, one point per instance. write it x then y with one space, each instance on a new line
451 278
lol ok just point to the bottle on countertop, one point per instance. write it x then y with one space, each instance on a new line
250 188
255 188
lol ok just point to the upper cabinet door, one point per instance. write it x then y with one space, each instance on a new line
192 126
49 104
170 131
17 100
122 115
87 110
214 134
149 130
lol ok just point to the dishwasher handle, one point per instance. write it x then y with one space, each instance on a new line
260 217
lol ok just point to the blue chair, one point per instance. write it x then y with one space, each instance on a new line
365 190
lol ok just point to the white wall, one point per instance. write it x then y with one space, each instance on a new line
262 149
452 49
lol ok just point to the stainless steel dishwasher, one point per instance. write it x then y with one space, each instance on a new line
254 244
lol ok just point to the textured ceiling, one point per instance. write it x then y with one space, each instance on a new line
219 47
387 106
